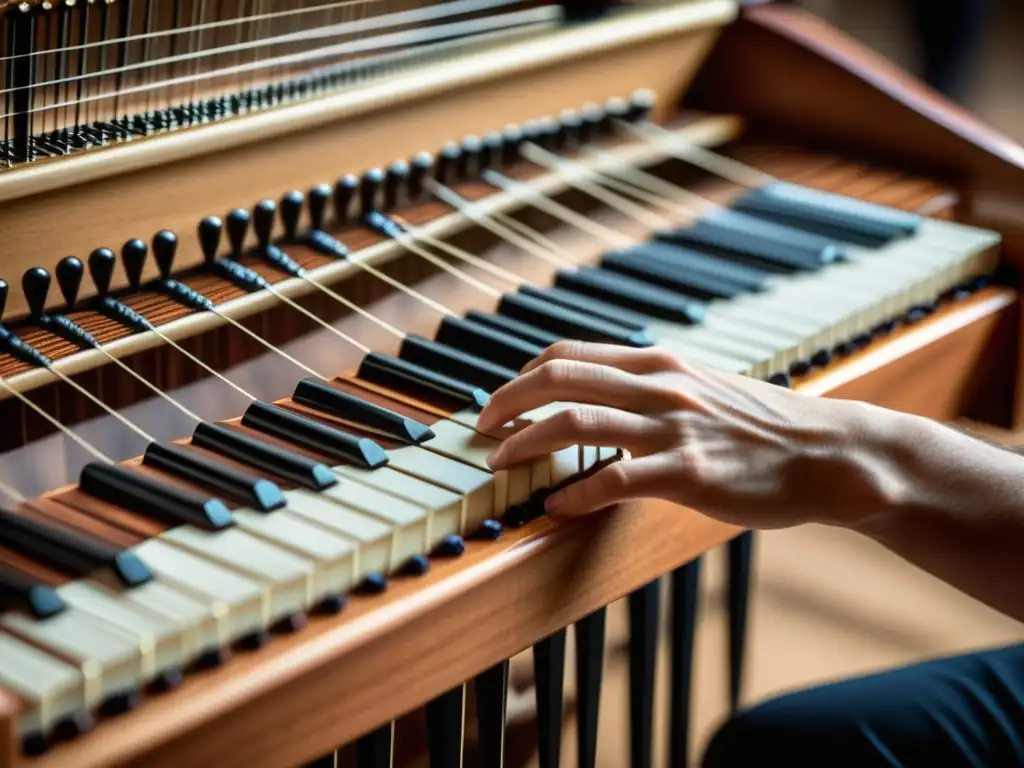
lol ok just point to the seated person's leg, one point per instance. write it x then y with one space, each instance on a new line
960 711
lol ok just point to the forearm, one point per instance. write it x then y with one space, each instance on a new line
954 507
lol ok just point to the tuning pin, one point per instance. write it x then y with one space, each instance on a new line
317 204
469 161
291 211
370 191
210 230
419 171
165 248
101 269
133 256
70 271
614 109
263 216
493 152
395 184
547 133
512 139
35 284
641 104
237 225
592 118
447 163
3 298
569 129
344 192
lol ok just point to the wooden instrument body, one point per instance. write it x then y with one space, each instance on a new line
302 696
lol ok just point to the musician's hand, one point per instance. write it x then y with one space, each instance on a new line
731 447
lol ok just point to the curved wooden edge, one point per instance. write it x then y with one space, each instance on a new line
10 744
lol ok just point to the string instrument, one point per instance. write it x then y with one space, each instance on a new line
263 263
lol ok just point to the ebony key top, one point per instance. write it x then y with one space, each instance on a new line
529 333
498 346
321 396
570 323
632 294
688 282
455 363
19 591
403 376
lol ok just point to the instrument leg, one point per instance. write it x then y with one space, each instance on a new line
445 725
376 749
643 650
685 591
590 641
491 707
741 550
549 670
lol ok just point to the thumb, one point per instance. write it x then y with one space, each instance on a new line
624 480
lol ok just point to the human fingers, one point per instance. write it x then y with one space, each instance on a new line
620 481
629 359
586 425
572 382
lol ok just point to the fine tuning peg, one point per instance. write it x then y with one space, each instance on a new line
317 199
369 191
570 127
3 298
493 153
210 230
133 256
641 104
70 272
447 163
237 224
419 171
101 269
35 284
344 191
512 138
469 160
592 119
396 184
291 211
263 222
165 248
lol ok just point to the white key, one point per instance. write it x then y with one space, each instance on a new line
50 689
475 487
409 525
375 540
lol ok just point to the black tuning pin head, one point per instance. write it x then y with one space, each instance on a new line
493 152
210 230
548 131
447 163
592 120
512 138
165 248
101 269
317 203
237 224
344 193
3 298
370 191
35 283
70 272
263 216
641 104
291 211
569 128
419 171
469 162
396 184
133 256
614 109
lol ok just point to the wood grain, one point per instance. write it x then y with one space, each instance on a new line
10 743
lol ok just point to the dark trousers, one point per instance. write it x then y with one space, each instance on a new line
952 712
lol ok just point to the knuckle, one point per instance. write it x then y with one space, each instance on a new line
579 420
567 348
555 372
663 360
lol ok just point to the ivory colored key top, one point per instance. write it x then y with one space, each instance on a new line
244 602
50 689
444 508
376 541
409 525
111 661
287 578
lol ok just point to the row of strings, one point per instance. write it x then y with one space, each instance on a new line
80 74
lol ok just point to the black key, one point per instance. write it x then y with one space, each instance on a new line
588 306
293 467
771 243
69 551
491 688
17 591
321 396
151 498
513 327
251 490
445 723
590 641
549 672
566 321
684 599
830 214
670 277
643 649
322 438
677 257
497 346
408 377
632 294
453 362
740 551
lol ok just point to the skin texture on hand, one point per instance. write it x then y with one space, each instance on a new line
737 449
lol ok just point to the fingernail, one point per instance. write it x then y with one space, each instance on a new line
555 503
